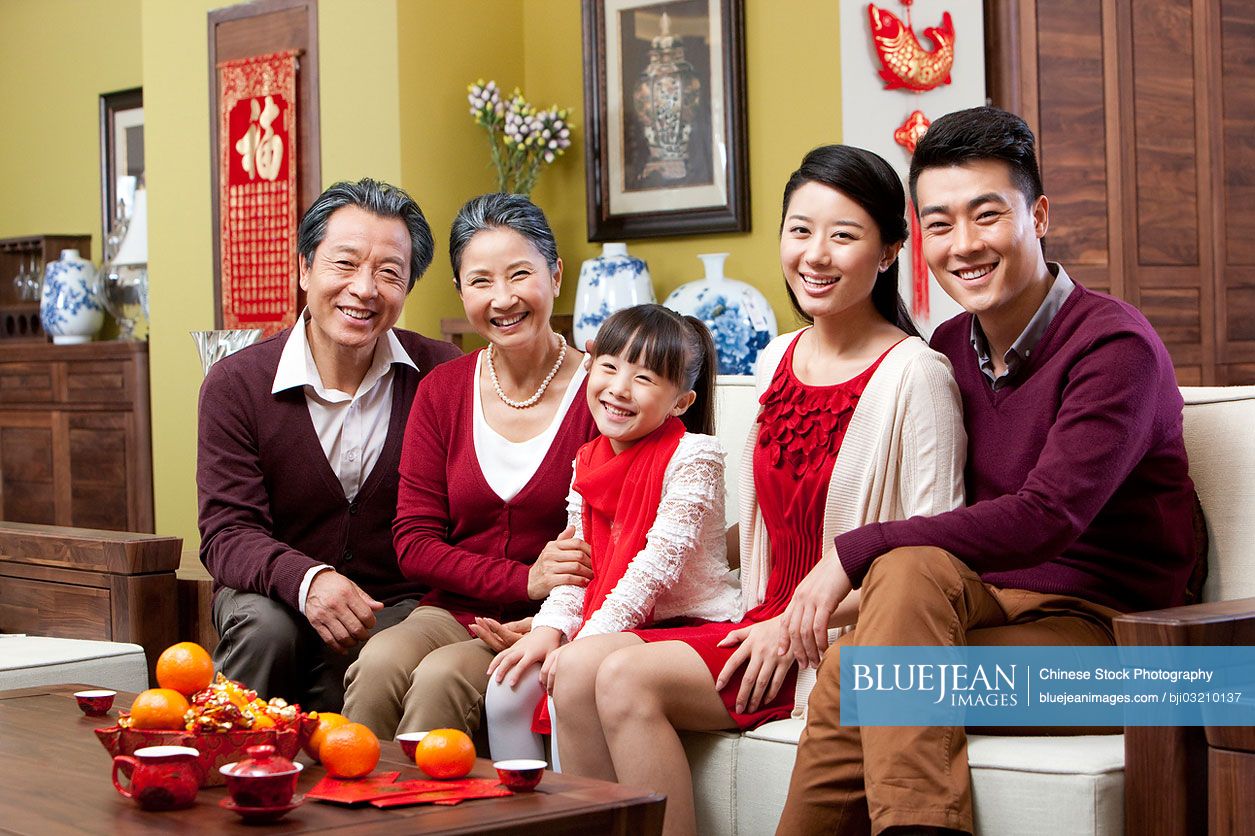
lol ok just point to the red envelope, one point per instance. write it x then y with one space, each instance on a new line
447 794
355 791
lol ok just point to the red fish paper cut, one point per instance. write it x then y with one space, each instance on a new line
904 63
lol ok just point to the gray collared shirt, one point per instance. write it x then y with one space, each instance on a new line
1023 347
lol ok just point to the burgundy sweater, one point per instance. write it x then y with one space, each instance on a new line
1076 475
452 532
271 507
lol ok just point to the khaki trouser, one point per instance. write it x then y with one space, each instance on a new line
424 673
858 780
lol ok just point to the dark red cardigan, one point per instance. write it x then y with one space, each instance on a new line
271 507
452 531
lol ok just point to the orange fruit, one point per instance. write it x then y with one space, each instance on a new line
445 753
159 708
350 751
327 720
185 667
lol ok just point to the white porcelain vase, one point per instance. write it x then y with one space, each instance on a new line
68 307
610 282
737 314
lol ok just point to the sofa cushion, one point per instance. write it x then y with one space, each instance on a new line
713 758
1222 465
28 661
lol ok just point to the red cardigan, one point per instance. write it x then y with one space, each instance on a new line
452 532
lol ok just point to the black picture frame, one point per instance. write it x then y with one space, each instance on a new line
120 113
634 189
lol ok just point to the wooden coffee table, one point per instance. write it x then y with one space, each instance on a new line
54 778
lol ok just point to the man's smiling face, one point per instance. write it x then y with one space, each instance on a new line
982 238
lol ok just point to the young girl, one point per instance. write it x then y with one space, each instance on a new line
646 502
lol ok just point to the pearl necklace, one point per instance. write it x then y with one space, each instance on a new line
540 393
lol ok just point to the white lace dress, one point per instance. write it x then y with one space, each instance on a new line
683 569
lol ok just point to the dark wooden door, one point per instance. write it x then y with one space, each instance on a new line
1145 115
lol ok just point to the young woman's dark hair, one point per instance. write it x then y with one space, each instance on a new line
869 181
679 348
980 133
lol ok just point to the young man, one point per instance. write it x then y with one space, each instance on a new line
300 439
1079 501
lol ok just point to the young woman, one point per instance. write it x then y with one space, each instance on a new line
648 499
860 421
483 478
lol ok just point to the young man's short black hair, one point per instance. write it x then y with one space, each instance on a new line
980 133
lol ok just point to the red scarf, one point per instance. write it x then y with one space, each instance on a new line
621 495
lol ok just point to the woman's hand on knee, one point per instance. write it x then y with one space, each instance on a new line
765 668
804 624
549 670
509 665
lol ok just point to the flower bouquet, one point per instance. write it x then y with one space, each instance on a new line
521 139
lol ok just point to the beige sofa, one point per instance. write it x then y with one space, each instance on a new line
1020 786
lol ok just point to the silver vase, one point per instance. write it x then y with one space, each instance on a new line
214 345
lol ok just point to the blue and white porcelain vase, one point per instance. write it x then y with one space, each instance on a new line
610 282
68 308
738 316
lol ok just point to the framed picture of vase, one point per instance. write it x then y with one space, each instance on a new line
664 118
121 156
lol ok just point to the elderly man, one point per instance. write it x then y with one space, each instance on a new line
300 437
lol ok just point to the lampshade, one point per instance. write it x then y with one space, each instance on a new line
134 249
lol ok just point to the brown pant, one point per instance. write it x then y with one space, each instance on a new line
858 780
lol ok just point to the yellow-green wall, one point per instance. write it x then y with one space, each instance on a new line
392 100
53 74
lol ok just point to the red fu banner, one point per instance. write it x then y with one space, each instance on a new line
257 191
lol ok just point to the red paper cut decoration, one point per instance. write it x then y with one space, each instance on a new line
257 191
904 63
908 135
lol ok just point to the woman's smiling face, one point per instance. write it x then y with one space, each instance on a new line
507 288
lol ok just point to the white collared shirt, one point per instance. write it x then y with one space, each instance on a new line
352 428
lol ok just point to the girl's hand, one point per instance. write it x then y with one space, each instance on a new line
499 636
549 670
804 623
527 651
566 561
765 669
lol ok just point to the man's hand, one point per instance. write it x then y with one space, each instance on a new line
564 561
527 651
499 636
765 669
804 623
339 610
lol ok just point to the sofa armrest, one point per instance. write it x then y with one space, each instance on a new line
1165 767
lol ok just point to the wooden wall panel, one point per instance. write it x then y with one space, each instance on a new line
1072 133
1237 41
1163 133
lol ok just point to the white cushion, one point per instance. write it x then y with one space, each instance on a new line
1218 423
712 758
28 661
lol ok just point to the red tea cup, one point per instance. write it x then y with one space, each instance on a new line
409 742
262 780
95 703
161 777
520 775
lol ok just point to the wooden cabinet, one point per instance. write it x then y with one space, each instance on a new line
75 435
1143 112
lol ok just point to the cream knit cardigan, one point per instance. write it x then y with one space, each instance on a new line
902 456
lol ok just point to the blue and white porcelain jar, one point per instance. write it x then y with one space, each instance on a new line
737 314
610 282
68 308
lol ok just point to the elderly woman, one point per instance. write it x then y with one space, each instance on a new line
483 482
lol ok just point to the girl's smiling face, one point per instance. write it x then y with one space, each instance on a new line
629 400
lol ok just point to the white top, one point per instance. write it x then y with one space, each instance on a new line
509 465
352 429
683 569
902 456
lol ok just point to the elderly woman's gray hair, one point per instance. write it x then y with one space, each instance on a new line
380 199
501 211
